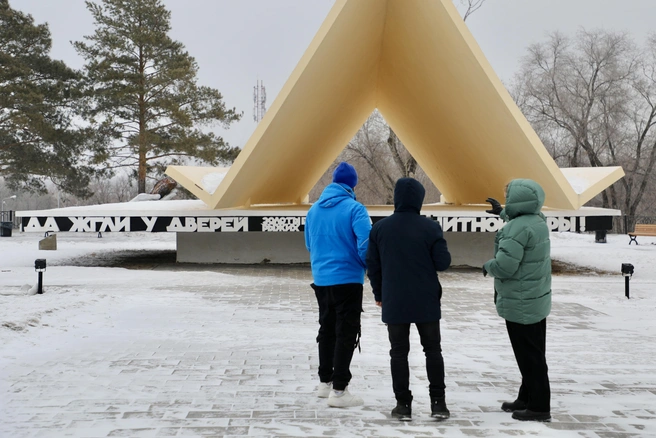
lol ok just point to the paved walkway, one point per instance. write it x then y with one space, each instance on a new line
240 360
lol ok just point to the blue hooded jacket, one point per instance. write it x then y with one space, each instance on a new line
337 236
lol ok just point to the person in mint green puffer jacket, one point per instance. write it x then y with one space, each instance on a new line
521 268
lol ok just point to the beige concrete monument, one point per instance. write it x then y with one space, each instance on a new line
416 61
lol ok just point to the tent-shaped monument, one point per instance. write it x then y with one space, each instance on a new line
416 61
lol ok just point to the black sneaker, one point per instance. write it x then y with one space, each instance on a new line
402 411
439 410
517 405
528 415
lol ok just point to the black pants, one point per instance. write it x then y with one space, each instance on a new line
340 308
399 336
529 345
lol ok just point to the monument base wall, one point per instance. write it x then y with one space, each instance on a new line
470 249
467 249
241 248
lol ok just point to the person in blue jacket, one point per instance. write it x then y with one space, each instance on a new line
405 252
337 235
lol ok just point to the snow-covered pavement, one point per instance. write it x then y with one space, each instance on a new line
230 351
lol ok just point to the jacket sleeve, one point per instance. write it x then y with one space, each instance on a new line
361 229
306 232
508 256
440 253
374 270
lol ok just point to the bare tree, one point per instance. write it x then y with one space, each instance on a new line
125 188
472 6
640 138
371 148
120 188
378 147
380 159
592 100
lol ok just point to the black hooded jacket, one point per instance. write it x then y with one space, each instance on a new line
405 252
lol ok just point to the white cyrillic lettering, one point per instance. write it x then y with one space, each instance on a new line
175 225
493 224
564 224
450 224
120 224
202 225
552 223
241 224
228 224
35 225
80 224
215 224
150 223
478 224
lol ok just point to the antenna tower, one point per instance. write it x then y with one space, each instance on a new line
259 101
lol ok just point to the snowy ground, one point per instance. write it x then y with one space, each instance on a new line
170 350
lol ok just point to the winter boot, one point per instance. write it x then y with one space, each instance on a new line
517 405
439 410
402 411
323 390
343 399
528 415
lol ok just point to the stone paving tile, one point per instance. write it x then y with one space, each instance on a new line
136 432
208 376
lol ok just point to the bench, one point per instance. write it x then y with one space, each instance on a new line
642 230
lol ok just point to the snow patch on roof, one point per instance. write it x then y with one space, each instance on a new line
211 181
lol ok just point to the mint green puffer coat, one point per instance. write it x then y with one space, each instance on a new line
521 266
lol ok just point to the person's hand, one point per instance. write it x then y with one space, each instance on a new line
379 303
496 206
484 272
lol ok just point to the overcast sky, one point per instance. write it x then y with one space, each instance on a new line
238 41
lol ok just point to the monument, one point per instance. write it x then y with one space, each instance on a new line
418 64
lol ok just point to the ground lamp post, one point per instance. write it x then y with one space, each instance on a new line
40 267
4 199
627 271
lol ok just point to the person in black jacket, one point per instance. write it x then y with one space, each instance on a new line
405 251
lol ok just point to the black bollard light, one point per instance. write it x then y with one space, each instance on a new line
40 267
627 271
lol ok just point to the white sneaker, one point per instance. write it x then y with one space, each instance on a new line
344 400
323 390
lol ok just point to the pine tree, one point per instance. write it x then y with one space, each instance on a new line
143 94
37 137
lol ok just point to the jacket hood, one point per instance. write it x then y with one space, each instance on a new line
523 196
335 193
408 195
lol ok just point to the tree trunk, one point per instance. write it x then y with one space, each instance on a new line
143 150
142 173
406 168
